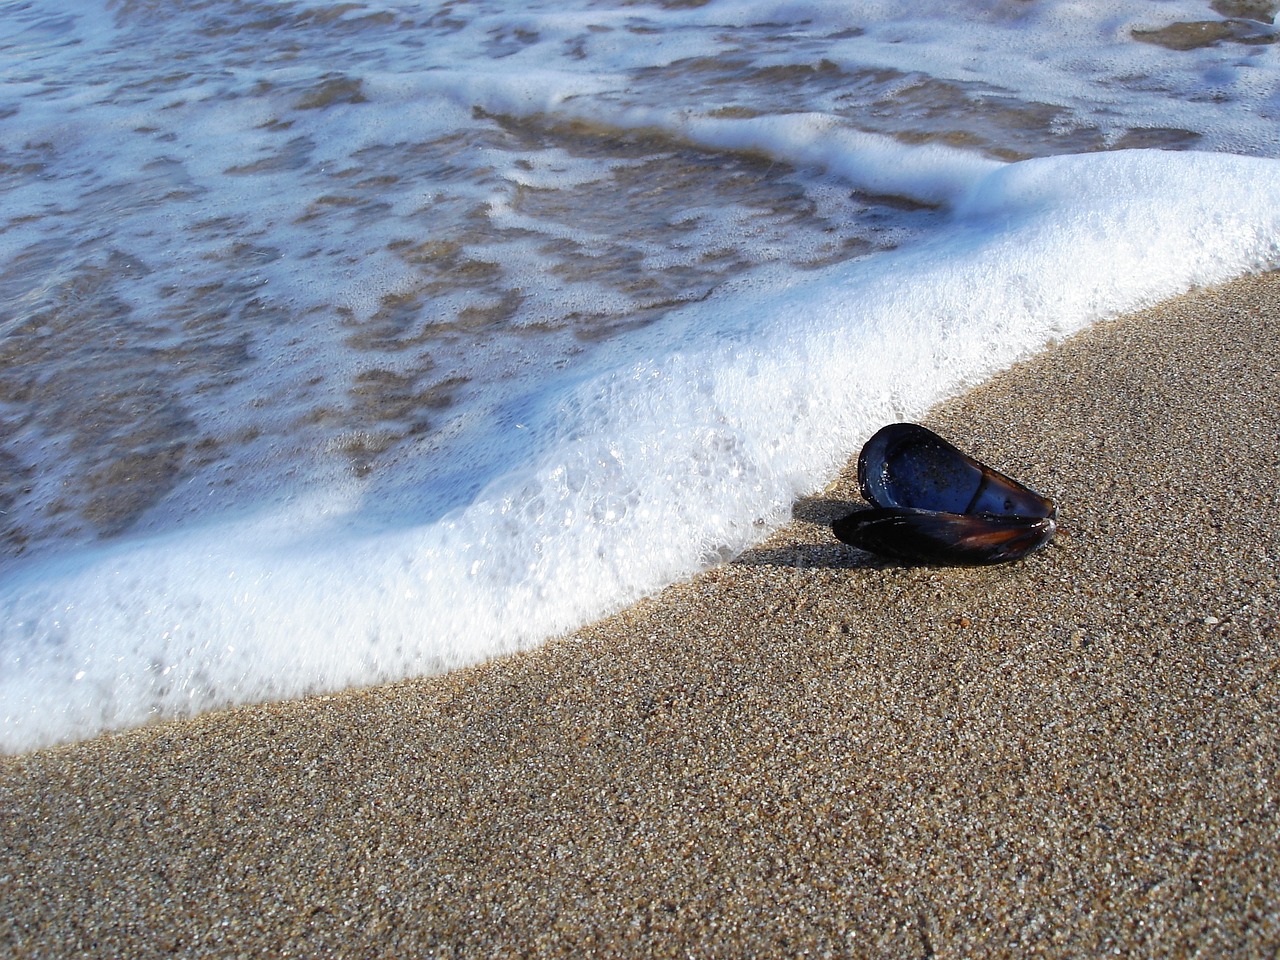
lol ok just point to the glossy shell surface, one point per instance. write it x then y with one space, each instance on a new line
932 536
936 504
907 465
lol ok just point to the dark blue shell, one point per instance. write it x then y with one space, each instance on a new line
932 536
936 504
907 465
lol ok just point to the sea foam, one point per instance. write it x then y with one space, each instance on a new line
270 423
669 450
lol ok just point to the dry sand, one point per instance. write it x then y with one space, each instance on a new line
802 753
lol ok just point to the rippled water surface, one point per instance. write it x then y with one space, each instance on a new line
250 240
348 260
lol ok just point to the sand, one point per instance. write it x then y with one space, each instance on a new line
806 752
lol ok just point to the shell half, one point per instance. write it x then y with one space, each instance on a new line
907 465
932 536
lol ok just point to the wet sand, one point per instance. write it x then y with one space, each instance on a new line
804 752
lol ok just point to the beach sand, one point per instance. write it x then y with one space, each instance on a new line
805 752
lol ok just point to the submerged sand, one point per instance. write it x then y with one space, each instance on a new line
804 752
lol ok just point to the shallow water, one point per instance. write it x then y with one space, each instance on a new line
343 342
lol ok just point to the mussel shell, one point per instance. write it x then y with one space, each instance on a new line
909 466
938 537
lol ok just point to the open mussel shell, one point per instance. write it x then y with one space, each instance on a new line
907 465
934 536
936 504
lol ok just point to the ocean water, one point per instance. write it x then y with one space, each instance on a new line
343 341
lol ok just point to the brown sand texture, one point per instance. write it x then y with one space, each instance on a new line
805 752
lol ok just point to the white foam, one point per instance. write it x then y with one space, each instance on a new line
572 479
641 473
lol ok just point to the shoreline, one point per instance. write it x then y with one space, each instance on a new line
803 750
